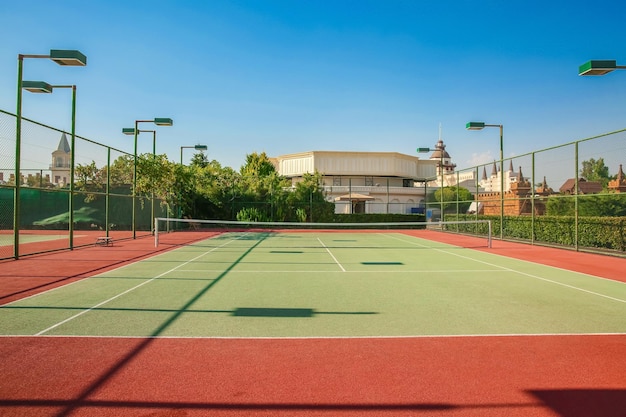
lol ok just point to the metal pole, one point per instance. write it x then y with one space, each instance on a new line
153 161
441 173
108 190
576 190
72 159
477 199
501 183
532 201
18 140
135 182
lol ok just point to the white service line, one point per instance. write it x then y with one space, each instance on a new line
331 254
129 290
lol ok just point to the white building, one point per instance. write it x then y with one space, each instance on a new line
61 163
445 167
364 182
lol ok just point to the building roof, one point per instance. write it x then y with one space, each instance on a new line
440 147
584 186
64 146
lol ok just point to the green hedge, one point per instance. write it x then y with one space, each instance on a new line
376 218
593 232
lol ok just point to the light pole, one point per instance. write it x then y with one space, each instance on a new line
159 121
481 126
131 131
42 87
424 150
196 147
599 67
62 57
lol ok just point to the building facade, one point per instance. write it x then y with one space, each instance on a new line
61 163
364 182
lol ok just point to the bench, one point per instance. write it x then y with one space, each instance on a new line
104 241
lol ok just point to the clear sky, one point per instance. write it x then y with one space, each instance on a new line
288 76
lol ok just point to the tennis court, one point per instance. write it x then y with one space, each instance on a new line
251 317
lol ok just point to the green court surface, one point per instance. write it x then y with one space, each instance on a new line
317 284
8 239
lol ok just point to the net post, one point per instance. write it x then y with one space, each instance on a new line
156 232
489 234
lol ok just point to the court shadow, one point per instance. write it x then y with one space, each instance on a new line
584 402
287 312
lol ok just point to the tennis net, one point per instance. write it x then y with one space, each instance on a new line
481 229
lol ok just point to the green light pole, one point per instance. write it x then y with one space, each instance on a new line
481 126
196 147
42 87
424 150
131 131
159 121
62 57
599 67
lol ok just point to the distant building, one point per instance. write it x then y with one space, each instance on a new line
363 182
445 167
618 185
516 199
61 163
584 187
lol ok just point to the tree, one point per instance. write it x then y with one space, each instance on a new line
200 160
307 200
593 170
263 187
257 165
451 195
89 178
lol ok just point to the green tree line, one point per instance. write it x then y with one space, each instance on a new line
206 190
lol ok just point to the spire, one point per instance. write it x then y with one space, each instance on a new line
511 166
484 178
494 171
64 146
520 176
620 174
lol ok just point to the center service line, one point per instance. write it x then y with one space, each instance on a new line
331 254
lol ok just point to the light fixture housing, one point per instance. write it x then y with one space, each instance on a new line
128 131
37 86
475 125
597 67
200 147
68 57
163 121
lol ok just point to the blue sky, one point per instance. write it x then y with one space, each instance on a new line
283 76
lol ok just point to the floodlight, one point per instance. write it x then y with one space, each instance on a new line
37 86
163 121
597 67
68 57
475 125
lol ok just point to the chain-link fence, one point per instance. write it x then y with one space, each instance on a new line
35 205
571 195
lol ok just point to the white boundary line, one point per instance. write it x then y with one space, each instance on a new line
331 255
523 273
129 290
433 336
285 271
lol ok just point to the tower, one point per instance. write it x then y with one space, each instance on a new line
61 160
